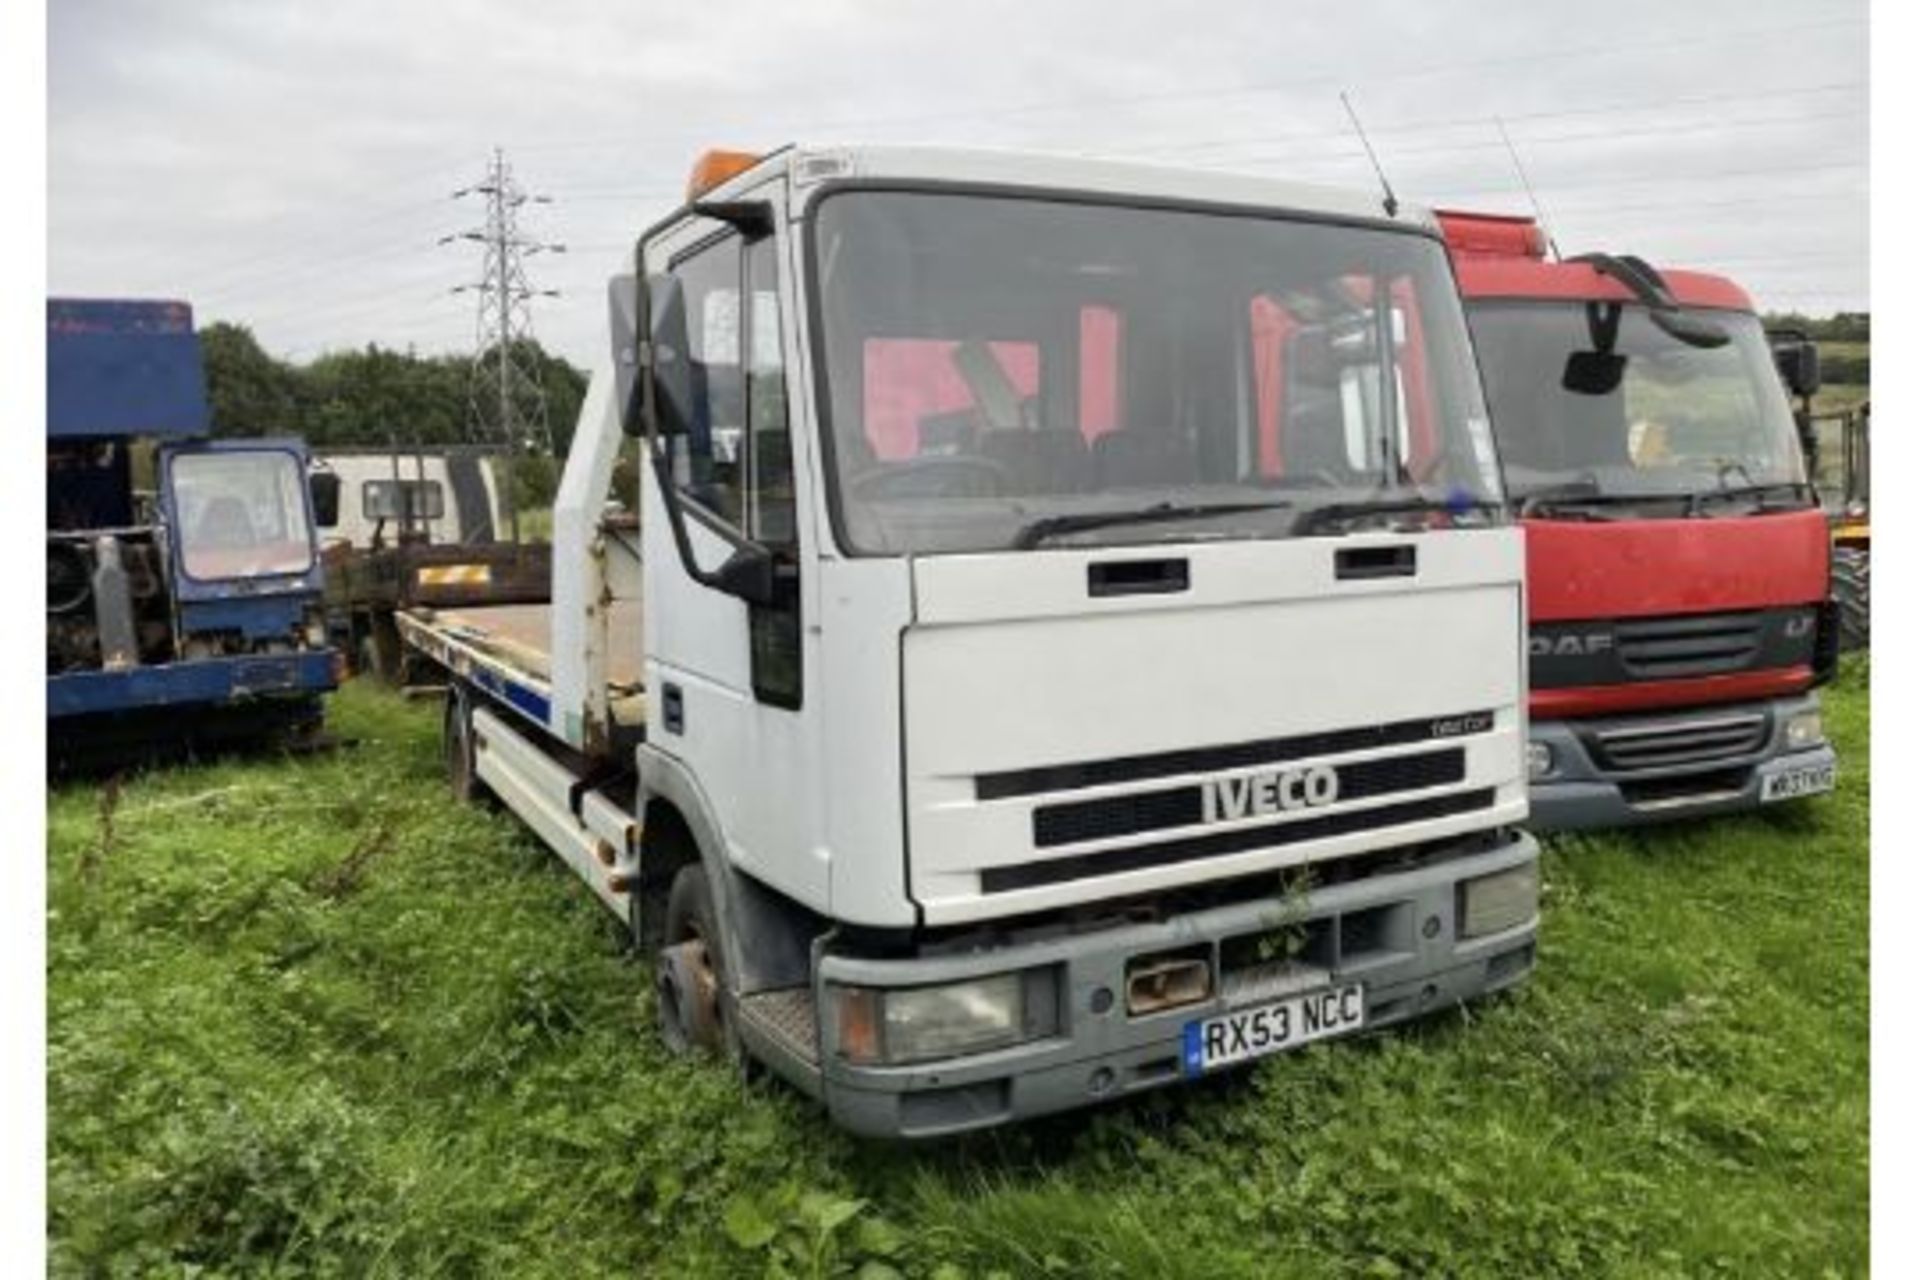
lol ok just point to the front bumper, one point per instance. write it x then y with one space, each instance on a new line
1395 932
1584 791
199 681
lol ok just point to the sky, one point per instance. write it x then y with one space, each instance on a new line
291 166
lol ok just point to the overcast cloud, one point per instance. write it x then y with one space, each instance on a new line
288 165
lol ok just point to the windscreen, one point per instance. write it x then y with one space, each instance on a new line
1650 415
1003 372
241 514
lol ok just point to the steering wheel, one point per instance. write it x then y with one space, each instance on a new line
934 475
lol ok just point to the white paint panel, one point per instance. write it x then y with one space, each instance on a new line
1013 666
865 607
579 645
535 787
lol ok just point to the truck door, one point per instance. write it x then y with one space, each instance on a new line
727 679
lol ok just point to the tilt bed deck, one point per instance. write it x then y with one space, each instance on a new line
506 650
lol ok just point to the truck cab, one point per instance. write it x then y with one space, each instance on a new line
183 573
1080 628
1677 559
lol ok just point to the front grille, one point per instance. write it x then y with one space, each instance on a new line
1103 819
1697 645
1237 755
1696 740
1029 875
1691 788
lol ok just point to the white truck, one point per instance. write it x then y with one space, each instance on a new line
1080 646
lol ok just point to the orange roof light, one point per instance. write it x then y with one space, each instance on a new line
1492 235
714 168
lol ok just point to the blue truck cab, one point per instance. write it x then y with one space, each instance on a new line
184 583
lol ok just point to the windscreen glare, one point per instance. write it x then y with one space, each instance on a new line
241 515
1659 417
1142 374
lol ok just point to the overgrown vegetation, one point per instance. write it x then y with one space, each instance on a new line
376 396
310 1018
1845 340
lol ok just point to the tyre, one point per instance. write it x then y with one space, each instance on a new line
386 654
1853 592
688 973
456 739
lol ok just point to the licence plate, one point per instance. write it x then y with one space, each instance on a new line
1789 784
1279 1025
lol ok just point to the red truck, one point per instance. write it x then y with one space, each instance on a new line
1677 559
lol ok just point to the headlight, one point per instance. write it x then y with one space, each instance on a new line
1804 730
1539 760
912 1024
1499 901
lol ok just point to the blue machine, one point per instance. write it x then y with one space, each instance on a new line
183 574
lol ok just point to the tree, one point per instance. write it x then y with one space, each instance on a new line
250 393
367 397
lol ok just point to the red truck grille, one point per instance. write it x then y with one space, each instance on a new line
1692 740
1699 645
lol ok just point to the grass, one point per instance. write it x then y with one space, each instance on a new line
310 1018
1832 397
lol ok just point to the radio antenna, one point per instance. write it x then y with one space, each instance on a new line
1389 201
1526 183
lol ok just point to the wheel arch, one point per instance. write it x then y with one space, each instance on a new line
679 826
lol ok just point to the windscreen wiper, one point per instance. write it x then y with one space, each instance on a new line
1336 512
1585 493
1793 488
1033 534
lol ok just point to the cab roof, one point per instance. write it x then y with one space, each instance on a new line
1504 256
809 167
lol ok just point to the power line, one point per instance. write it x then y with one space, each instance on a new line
507 401
1341 76
1688 176
1459 122
1552 140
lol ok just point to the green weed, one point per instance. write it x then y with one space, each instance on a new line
307 1017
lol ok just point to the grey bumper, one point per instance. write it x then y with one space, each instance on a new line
1586 790
1393 932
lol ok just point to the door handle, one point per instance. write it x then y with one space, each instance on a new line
1395 561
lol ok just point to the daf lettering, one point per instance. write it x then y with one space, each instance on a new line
1277 791
1571 646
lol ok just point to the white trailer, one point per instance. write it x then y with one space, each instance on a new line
1081 641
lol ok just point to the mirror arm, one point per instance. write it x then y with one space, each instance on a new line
1649 288
751 218
729 577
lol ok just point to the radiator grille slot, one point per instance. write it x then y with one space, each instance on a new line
1699 645
1029 875
1103 819
1238 755
1701 740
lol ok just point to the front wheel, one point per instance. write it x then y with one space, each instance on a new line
1853 593
688 972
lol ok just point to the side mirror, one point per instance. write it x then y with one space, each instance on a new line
1799 364
623 331
666 367
1593 373
324 488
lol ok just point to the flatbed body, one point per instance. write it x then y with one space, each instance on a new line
507 649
